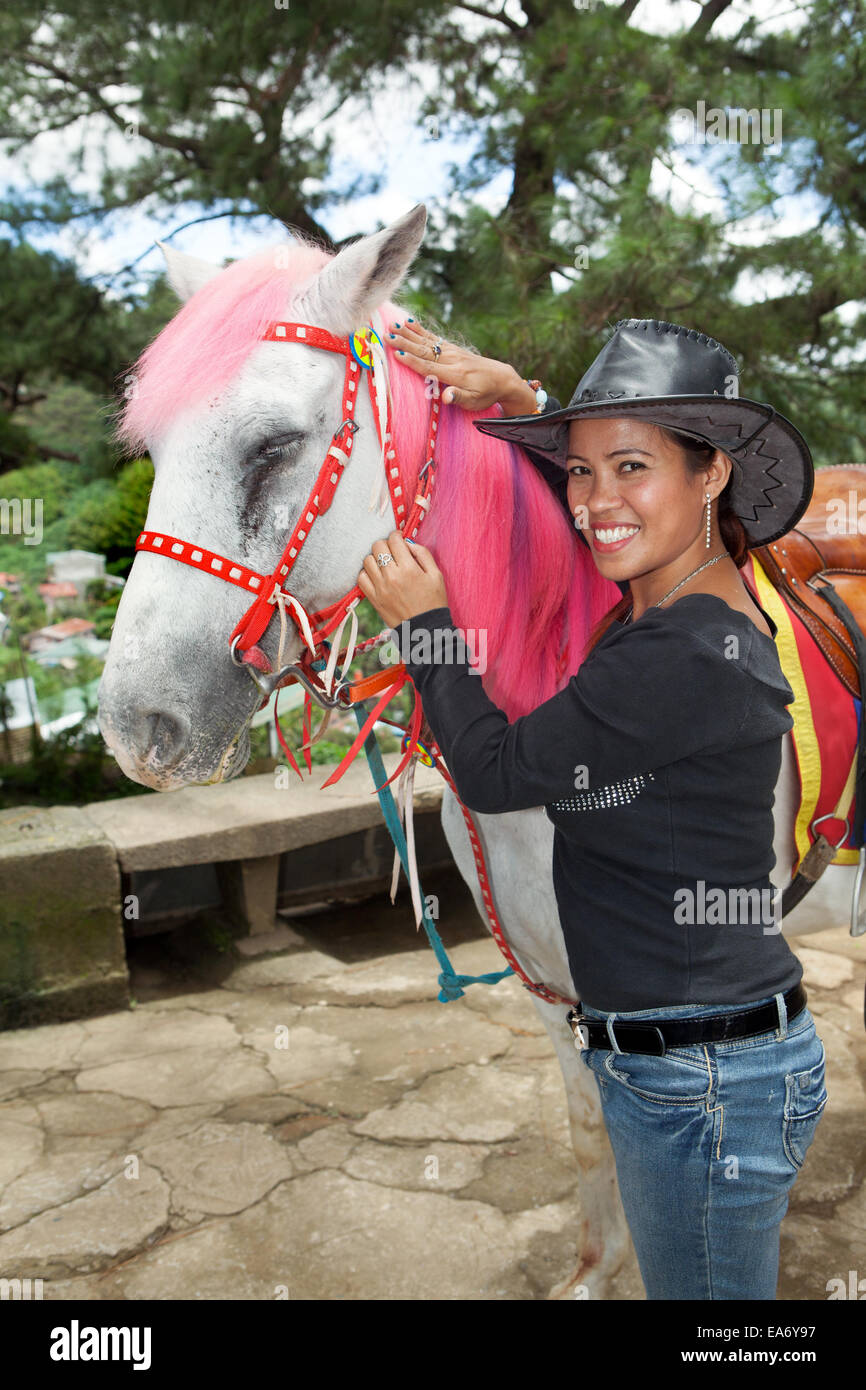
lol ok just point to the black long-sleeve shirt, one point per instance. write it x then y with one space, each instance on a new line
657 764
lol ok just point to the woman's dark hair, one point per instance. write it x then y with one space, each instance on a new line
697 456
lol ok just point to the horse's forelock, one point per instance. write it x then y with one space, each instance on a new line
208 341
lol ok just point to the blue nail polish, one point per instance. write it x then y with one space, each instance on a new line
392 335
396 325
410 320
400 352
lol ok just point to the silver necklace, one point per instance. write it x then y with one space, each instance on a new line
627 618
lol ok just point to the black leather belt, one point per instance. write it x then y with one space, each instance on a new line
655 1037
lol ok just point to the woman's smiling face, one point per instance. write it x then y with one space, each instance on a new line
625 473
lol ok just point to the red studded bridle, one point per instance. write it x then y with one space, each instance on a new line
270 592
271 595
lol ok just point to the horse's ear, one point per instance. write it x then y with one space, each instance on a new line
365 273
186 274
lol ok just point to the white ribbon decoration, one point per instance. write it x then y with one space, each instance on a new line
380 494
405 800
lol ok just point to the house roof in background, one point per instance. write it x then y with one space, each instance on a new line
70 627
58 590
72 554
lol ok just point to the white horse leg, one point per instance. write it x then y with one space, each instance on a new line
605 1242
518 849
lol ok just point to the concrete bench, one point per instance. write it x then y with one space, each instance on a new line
74 880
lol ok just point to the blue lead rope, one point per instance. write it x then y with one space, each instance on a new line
451 985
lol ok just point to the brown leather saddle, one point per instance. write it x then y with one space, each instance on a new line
828 544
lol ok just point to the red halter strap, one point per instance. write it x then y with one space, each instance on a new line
252 626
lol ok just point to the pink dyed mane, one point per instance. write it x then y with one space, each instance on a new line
512 563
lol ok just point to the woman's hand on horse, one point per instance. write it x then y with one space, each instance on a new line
470 381
408 583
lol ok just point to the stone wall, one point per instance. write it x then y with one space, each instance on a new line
66 872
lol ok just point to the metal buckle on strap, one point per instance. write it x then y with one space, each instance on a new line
268 682
644 1032
351 425
830 816
575 1019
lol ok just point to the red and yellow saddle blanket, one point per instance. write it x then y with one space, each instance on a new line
825 719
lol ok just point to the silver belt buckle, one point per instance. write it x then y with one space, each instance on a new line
575 1022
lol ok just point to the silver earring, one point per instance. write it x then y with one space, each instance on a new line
707 495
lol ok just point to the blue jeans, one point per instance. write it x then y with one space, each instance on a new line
708 1140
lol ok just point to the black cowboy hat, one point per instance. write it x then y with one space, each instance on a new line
668 375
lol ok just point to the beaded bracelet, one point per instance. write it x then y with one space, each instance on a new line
540 395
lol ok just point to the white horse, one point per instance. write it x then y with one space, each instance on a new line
175 710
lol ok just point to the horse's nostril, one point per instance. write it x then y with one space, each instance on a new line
161 738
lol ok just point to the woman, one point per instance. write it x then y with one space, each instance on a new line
657 764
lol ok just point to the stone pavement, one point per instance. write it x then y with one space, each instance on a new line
315 1123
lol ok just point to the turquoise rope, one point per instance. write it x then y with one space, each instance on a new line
451 985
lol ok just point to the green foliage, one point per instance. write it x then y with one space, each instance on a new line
54 483
71 768
109 521
26 610
57 328
249 157
71 332
10 663
329 749
51 682
103 617
16 446
70 419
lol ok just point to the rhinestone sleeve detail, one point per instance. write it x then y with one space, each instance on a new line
616 794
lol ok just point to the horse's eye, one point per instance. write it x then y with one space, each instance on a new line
276 451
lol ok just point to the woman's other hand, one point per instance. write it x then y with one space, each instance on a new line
408 583
470 381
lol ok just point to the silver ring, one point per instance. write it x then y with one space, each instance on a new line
383 559
437 349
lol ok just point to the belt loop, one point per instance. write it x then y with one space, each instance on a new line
609 1026
782 1030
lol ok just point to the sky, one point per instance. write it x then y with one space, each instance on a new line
387 139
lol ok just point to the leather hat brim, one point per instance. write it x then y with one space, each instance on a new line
773 476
